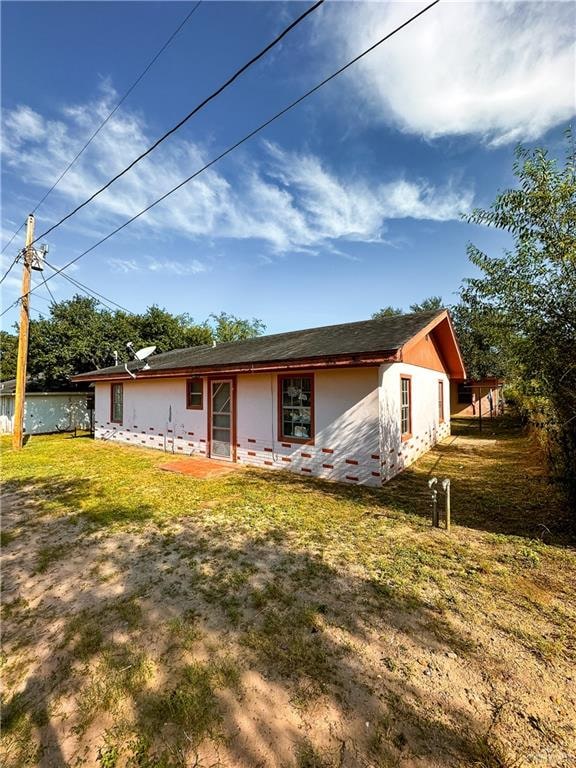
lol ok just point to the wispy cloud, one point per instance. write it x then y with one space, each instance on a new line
289 201
164 266
503 71
124 265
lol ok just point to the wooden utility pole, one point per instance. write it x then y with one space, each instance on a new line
20 394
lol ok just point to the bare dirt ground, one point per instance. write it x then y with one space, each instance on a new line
259 620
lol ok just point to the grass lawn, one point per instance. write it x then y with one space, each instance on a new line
155 620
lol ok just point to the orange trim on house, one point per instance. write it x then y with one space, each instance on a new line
112 419
298 440
406 435
233 437
441 332
301 366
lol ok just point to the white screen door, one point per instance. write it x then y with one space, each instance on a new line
221 420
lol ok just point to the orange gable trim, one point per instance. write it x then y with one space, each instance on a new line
436 347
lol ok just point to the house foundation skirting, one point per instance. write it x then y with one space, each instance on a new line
361 467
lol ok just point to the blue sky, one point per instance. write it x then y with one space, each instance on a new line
350 202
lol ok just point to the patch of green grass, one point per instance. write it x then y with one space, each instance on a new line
14 607
183 630
307 756
20 717
302 574
545 648
192 704
6 537
49 555
290 643
107 756
117 674
226 586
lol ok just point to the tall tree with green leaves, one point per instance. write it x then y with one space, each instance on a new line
225 327
8 355
78 336
388 311
528 293
432 302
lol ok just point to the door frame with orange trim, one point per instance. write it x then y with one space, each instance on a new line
233 384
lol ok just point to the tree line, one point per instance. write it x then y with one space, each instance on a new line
78 336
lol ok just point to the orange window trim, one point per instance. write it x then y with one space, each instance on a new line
188 392
408 378
112 390
288 438
440 401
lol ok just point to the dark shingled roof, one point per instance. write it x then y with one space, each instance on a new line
386 334
36 384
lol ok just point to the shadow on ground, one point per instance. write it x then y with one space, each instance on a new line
496 484
198 638
200 641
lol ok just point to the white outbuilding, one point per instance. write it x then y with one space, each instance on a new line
46 411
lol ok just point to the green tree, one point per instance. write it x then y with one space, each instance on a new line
529 292
8 355
78 336
388 311
225 327
166 331
432 302
479 333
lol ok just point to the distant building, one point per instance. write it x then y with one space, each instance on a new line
472 398
46 410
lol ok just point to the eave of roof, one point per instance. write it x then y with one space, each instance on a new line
368 342
348 361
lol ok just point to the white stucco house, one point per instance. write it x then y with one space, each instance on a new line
356 402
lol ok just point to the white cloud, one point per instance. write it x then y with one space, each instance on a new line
24 125
169 266
503 71
290 201
124 265
174 267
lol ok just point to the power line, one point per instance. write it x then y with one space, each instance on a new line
10 268
10 241
48 289
128 92
243 140
107 118
185 119
89 291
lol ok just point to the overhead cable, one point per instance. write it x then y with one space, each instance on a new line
244 139
185 119
107 118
